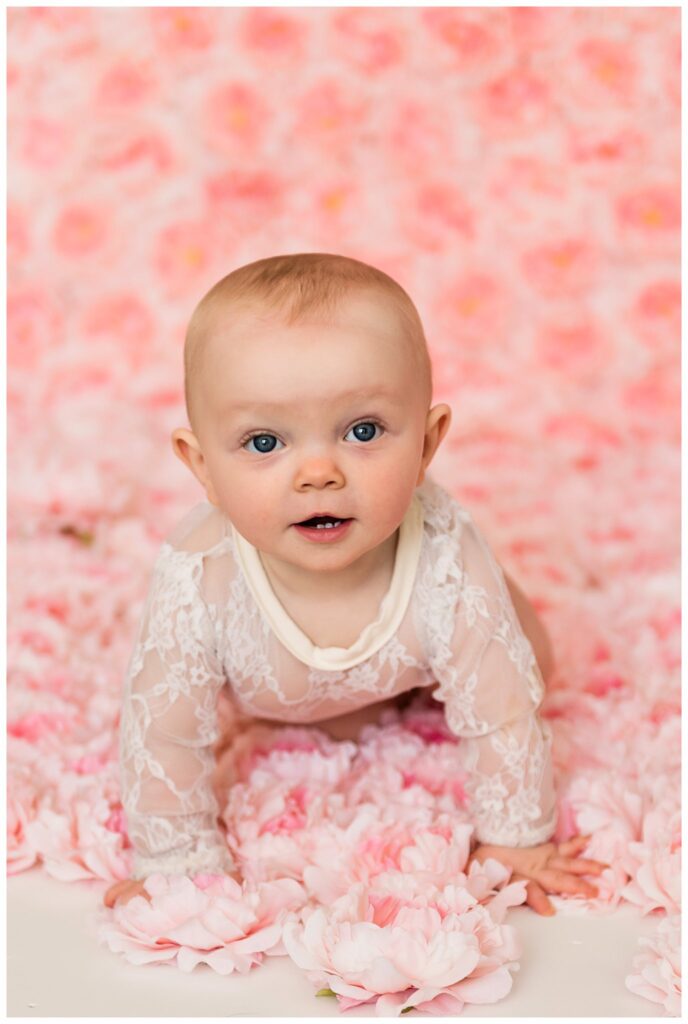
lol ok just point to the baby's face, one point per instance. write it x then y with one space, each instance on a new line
324 416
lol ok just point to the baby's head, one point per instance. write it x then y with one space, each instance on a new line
308 387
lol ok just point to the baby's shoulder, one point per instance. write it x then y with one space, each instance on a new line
443 514
199 549
202 529
453 536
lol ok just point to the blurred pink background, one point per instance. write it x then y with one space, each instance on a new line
516 169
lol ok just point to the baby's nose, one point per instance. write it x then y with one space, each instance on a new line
318 471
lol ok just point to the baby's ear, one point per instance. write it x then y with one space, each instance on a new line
187 448
436 426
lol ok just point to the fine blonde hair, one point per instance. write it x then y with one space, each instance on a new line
295 285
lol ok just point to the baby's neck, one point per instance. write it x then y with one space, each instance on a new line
323 586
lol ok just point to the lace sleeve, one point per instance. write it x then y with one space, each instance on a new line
169 725
491 686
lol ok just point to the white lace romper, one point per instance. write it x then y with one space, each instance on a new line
211 620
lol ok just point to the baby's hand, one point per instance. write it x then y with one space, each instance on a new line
550 867
122 892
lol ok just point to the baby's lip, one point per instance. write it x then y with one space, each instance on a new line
316 515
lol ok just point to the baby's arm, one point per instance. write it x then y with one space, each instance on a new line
491 685
492 688
168 728
534 628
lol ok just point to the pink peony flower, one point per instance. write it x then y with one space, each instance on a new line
656 973
395 955
76 844
21 853
655 863
656 884
215 922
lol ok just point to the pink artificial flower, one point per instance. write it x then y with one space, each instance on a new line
515 101
183 29
235 115
368 39
576 347
650 209
124 317
395 955
76 844
656 971
473 41
610 66
655 862
655 316
125 84
275 33
656 882
18 233
21 853
329 110
35 725
183 252
45 143
80 230
561 267
216 922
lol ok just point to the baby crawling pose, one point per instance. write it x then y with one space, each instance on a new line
327 575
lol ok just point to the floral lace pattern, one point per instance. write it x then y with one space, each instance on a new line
489 680
168 727
202 629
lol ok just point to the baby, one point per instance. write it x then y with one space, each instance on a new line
327 575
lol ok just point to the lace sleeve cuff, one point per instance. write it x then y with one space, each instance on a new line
203 859
524 838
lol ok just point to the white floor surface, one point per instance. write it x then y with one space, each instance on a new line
572 966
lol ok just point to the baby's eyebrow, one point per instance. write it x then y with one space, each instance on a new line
366 393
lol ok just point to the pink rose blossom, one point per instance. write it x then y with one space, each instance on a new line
125 84
368 39
181 29
235 115
80 230
274 32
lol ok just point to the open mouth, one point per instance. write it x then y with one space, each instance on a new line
322 522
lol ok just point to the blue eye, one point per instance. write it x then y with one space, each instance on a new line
364 431
265 443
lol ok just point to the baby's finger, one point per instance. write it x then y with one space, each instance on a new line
559 881
577 865
112 893
537 899
573 846
125 897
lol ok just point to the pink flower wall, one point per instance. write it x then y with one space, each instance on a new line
517 170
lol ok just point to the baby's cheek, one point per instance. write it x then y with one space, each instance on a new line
390 492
